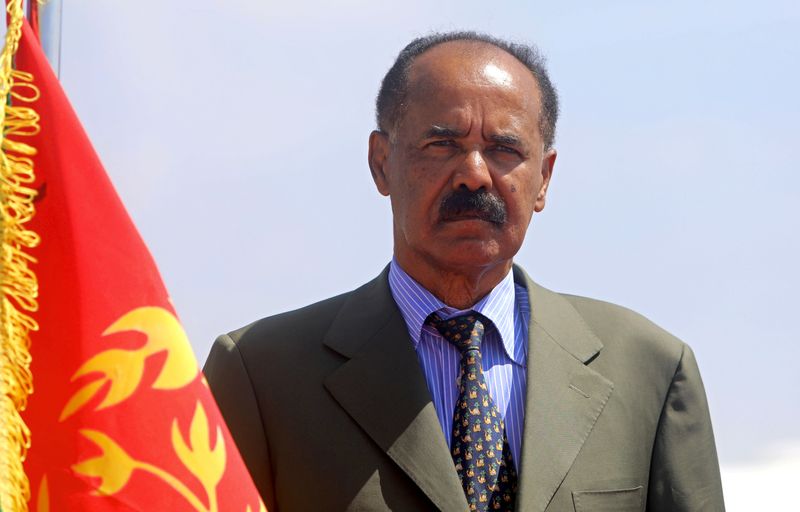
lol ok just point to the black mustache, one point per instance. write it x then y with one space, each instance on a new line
480 204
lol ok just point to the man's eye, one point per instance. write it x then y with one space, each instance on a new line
443 143
506 149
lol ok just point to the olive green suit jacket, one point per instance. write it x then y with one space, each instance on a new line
330 410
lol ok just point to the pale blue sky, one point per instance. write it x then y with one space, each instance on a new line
236 134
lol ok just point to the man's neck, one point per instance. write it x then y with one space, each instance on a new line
460 288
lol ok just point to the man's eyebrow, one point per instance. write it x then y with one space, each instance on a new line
442 131
508 140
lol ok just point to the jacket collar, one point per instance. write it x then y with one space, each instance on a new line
382 387
564 396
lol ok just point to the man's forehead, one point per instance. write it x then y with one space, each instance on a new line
446 81
454 60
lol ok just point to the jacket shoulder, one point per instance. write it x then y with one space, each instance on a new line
308 322
620 328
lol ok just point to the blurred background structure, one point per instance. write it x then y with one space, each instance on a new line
236 135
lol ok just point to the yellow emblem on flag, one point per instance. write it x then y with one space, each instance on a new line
115 466
124 369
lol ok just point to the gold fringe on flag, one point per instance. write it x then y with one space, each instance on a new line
18 285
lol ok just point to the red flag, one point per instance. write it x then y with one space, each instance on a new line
120 417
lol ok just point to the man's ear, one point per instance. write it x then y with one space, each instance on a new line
377 157
548 162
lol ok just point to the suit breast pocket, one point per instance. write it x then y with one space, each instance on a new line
617 500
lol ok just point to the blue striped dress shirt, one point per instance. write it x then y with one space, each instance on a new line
504 349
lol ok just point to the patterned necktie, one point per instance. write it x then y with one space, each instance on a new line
479 445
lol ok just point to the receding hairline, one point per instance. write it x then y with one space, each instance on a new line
392 98
413 75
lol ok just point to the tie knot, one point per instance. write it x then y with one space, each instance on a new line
465 331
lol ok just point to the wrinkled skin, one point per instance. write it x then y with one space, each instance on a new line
471 121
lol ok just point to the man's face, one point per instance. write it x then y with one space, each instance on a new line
465 167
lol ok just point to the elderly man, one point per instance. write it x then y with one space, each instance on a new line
452 381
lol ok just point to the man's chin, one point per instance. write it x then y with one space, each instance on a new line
468 252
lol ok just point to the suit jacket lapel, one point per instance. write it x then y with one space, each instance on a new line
383 389
564 396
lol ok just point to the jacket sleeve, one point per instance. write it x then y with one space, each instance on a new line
684 472
230 384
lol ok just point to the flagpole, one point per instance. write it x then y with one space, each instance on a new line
48 21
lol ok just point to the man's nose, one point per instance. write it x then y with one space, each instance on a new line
473 172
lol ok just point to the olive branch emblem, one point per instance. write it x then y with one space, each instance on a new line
122 370
114 466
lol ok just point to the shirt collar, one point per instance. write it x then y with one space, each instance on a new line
416 303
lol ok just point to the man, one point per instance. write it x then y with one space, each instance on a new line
452 381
